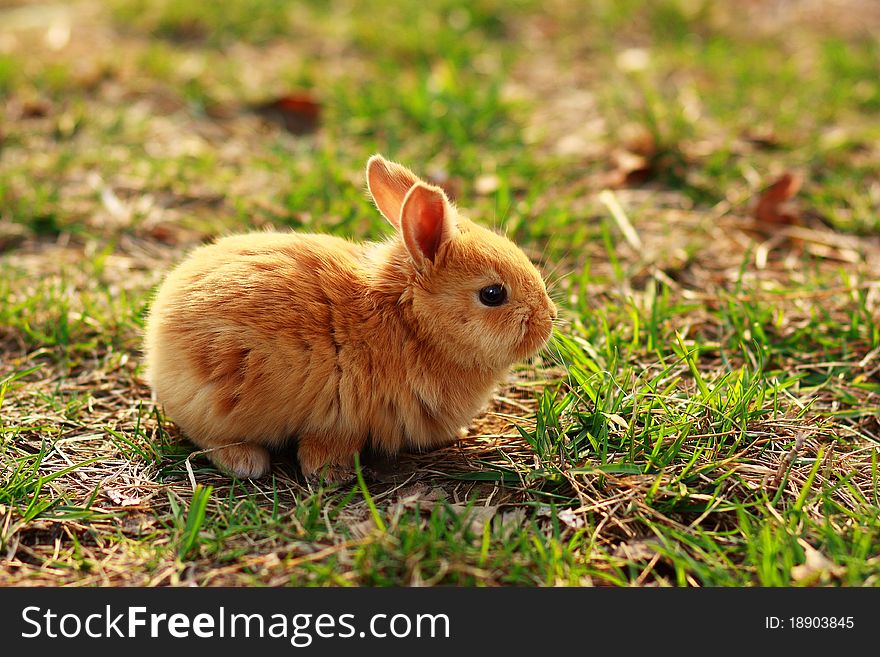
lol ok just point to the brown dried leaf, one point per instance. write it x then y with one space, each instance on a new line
638 139
634 159
816 566
762 137
121 499
35 108
299 113
629 167
770 206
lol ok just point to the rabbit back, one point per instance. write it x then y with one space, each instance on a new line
245 339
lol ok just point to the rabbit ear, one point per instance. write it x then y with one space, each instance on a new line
425 222
388 183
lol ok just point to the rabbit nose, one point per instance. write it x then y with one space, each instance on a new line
553 312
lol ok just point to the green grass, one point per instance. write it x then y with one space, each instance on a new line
707 412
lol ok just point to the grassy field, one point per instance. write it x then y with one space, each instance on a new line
708 413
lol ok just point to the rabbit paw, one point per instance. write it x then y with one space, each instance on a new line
245 461
320 459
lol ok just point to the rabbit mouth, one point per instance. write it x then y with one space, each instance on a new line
537 335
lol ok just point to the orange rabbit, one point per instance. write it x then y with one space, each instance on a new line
261 338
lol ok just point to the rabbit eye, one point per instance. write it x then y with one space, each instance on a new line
493 295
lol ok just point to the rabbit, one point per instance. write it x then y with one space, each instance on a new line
261 338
